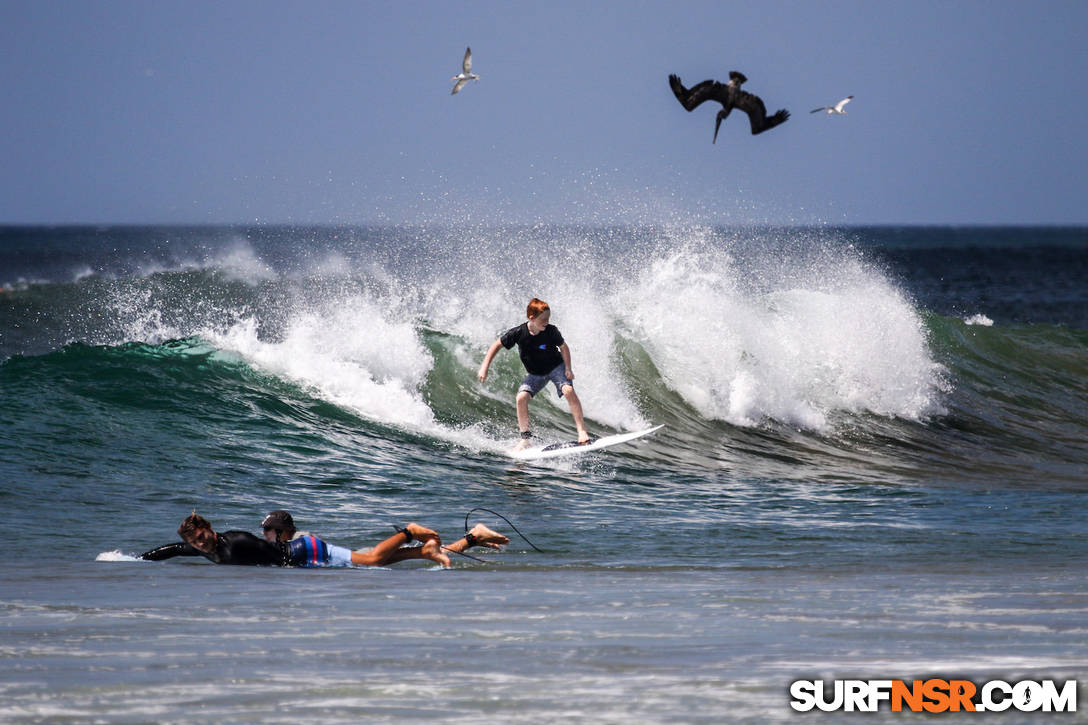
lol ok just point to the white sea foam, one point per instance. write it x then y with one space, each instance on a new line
115 556
354 352
332 264
141 319
239 261
783 340
979 319
236 260
745 334
22 284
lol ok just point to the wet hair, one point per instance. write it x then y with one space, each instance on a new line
192 523
536 307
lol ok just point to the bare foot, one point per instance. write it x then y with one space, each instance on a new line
522 444
432 550
487 537
422 533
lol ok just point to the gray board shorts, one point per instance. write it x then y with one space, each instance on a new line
532 384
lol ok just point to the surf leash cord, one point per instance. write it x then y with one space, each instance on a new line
496 513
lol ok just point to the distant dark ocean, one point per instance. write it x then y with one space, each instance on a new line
874 465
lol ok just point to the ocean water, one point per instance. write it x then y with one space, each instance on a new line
874 465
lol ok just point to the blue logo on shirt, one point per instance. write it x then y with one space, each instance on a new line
543 347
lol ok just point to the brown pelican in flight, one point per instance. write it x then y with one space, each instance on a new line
730 96
836 109
466 73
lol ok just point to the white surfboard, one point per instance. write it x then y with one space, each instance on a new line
570 448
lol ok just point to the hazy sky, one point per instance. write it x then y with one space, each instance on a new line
340 112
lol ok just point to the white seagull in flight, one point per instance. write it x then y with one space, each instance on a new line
836 109
466 73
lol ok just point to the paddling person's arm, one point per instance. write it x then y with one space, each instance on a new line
492 351
169 551
565 352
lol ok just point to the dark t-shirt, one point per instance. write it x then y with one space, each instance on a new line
539 353
231 547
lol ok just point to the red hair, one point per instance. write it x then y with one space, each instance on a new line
536 307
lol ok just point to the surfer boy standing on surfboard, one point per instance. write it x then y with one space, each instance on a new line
546 358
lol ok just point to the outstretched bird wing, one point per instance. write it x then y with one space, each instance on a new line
460 84
757 112
691 98
466 64
837 108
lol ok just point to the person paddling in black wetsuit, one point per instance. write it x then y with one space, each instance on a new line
546 358
228 547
